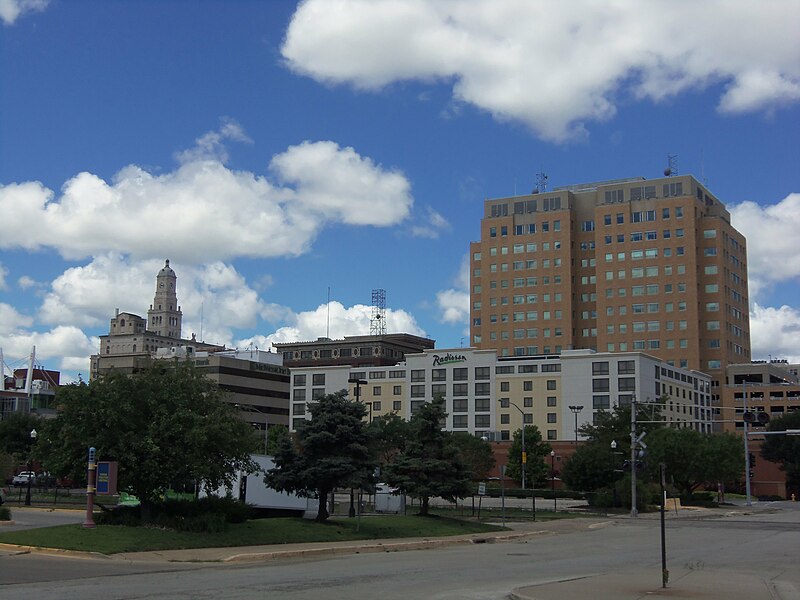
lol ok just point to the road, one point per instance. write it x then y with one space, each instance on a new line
765 543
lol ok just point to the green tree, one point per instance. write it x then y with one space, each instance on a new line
277 434
389 434
592 467
15 434
332 450
430 466
784 449
693 458
535 449
166 423
475 453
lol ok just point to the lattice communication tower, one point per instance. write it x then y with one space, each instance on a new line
377 321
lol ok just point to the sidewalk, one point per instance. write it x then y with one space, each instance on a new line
643 584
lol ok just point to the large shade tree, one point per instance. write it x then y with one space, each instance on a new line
693 459
331 450
166 423
784 449
535 451
430 465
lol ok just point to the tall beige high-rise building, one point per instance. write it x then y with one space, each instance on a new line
624 265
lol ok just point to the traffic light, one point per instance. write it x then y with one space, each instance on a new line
752 473
763 418
751 458
749 417
640 465
626 465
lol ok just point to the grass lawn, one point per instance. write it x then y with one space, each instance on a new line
110 539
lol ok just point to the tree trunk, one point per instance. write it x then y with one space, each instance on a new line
423 508
322 511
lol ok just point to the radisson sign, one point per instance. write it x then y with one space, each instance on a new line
448 359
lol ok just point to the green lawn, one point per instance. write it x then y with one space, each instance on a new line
110 539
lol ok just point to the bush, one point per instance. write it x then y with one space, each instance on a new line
210 514
5 513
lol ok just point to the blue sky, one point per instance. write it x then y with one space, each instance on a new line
271 150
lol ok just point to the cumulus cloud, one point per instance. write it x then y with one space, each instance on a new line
312 324
431 224
205 210
454 302
771 232
215 298
10 10
554 65
3 274
211 145
25 282
774 332
68 344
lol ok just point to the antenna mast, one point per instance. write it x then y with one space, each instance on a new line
672 165
541 183
377 321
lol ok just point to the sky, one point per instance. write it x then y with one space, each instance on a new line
282 153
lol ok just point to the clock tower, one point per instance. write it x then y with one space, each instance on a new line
164 317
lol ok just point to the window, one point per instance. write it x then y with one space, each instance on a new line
460 374
397 390
397 405
318 379
482 421
377 374
601 402
418 391
626 367
438 389
482 372
626 384
417 374
600 385
317 393
504 386
299 379
376 390
376 405
552 417
482 389
460 422
460 405
552 401
300 395
600 368
551 384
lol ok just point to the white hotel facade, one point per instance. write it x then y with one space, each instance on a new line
487 395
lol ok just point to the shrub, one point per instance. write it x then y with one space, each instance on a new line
5 513
209 514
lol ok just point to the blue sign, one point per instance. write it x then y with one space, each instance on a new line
103 478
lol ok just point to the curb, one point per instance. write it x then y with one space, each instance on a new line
19 549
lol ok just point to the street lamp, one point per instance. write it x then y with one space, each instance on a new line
524 454
553 478
358 383
28 493
575 410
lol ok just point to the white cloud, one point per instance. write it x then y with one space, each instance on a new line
177 214
774 331
215 298
553 65
67 343
211 146
11 320
431 224
3 274
26 282
773 247
10 10
454 302
310 325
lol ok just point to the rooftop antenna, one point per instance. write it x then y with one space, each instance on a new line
377 321
328 325
202 305
541 183
672 165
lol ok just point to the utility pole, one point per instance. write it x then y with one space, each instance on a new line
634 510
746 448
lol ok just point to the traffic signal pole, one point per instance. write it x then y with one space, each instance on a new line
746 449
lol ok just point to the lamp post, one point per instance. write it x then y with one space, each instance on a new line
522 434
28 493
613 477
553 478
358 383
575 410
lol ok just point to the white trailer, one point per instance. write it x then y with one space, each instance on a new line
251 489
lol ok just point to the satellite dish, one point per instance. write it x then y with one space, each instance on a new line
667 172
